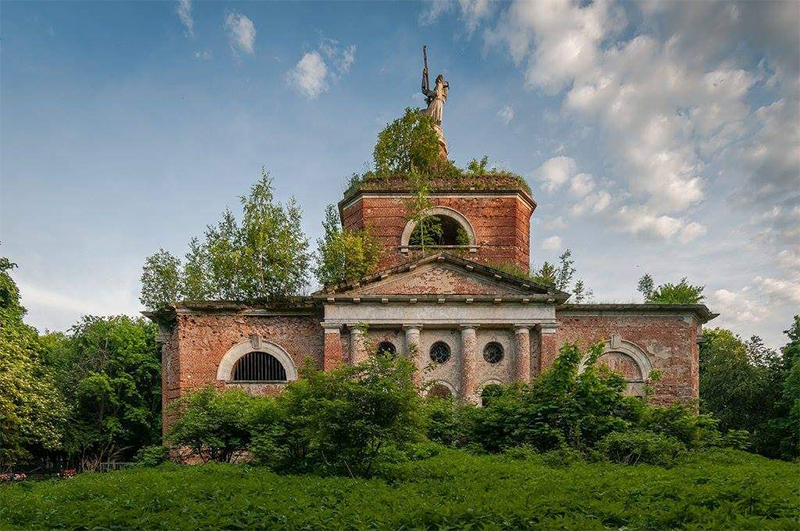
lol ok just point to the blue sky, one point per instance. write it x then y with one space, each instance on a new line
657 137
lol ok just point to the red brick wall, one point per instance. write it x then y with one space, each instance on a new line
501 224
198 342
670 343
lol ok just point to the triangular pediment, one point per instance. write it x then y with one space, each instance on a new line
443 274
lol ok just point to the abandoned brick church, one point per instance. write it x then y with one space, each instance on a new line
472 325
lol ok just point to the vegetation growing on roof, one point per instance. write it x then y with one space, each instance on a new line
344 255
560 276
263 256
408 149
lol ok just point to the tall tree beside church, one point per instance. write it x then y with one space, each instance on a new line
264 256
32 410
344 255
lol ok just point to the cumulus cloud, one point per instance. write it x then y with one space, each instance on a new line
184 11
581 184
241 33
309 75
779 290
506 114
592 204
643 222
312 73
554 172
737 306
205 55
552 243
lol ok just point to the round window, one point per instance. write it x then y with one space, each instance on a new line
387 347
440 352
493 352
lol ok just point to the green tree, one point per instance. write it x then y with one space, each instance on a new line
750 387
645 286
546 274
32 411
680 293
344 255
161 280
408 144
109 370
266 256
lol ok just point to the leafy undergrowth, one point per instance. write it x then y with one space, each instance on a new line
453 490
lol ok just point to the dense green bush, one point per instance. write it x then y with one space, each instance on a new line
562 407
452 490
341 421
638 446
152 455
214 425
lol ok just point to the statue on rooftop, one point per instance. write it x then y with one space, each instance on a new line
435 99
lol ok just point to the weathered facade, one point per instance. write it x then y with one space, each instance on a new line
464 323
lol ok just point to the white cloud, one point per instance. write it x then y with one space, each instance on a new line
581 184
312 73
737 307
643 222
552 243
506 114
554 172
472 12
241 33
592 203
556 223
309 75
779 290
184 11
205 55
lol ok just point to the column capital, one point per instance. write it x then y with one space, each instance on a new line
547 328
412 327
520 329
468 326
331 327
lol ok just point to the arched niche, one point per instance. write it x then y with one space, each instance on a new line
443 212
437 385
255 344
629 360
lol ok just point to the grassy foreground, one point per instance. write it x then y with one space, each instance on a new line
454 490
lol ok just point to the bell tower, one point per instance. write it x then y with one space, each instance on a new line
485 219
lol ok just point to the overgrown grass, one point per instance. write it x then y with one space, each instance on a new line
453 490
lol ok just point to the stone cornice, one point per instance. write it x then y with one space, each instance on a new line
699 311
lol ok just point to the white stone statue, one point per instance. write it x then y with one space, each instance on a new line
435 99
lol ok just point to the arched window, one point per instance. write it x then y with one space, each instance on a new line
387 347
454 229
441 230
259 367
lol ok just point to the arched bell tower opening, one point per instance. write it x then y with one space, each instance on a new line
489 224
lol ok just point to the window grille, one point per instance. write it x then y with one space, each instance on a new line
259 367
387 347
493 352
440 352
